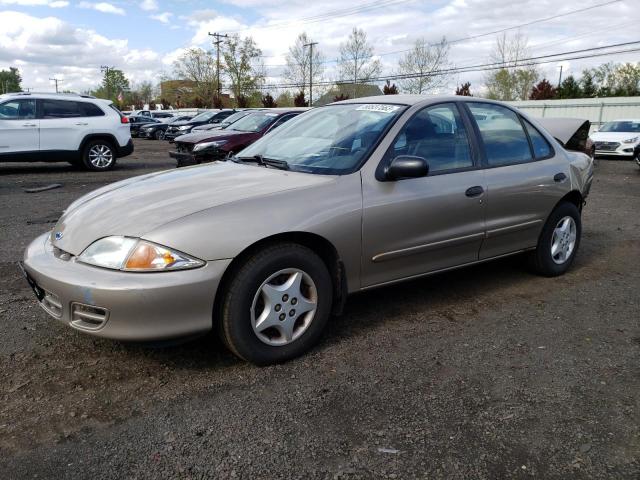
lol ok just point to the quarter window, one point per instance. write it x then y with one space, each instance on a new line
22 109
505 142
438 135
541 148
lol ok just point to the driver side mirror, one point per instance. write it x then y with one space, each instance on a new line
406 166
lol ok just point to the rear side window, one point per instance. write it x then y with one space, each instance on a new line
505 141
60 109
541 148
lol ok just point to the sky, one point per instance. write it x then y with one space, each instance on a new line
71 39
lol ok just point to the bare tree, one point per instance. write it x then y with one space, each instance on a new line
515 80
425 61
356 60
245 72
199 67
298 62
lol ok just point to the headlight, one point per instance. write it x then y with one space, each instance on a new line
631 140
202 146
133 254
184 127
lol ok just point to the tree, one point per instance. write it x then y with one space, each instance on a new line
610 79
241 57
200 68
627 80
426 62
339 98
145 89
512 81
268 101
356 60
114 83
542 91
10 80
589 88
285 99
390 89
299 100
464 90
299 61
569 88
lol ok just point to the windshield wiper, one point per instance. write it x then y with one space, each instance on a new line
260 160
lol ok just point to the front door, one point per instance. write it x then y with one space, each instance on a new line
419 225
19 128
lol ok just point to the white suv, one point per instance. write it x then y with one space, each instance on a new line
78 129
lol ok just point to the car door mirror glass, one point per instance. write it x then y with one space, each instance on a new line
406 166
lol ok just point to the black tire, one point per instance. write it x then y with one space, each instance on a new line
90 162
541 259
235 317
158 135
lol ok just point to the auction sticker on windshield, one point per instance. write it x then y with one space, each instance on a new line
378 107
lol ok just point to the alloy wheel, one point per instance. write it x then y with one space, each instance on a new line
563 240
100 156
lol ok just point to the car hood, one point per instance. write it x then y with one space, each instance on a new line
613 136
207 135
138 205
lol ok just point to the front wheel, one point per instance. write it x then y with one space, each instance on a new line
99 155
159 135
276 305
558 242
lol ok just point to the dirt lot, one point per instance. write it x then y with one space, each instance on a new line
487 372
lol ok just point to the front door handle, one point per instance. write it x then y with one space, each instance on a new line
29 125
474 191
82 123
559 177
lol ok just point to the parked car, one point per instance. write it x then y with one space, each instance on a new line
620 138
225 123
136 123
156 131
347 197
161 115
48 127
140 113
208 117
199 147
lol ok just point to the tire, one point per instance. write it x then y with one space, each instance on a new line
284 332
158 135
561 233
99 155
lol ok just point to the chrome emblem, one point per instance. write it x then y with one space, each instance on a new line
58 235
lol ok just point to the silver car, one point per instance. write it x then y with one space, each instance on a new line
265 246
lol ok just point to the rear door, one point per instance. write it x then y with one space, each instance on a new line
419 225
525 178
19 128
63 124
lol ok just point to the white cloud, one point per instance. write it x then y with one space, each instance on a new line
103 7
164 17
149 5
36 3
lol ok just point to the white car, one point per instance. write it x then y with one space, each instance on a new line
618 138
50 127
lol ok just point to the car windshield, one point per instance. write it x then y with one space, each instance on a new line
624 126
253 122
203 117
235 117
328 140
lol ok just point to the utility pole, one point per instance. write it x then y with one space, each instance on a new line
218 40
310 45
56 82
560 79
106 69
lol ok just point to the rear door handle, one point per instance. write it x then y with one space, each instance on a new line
29 125
559 177
81 123
474 191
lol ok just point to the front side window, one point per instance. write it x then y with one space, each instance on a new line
505 142
22 109
438 135
331 140
541 148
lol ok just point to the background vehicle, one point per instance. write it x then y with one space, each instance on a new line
79 129
620 138
212 145
137 122
140 113
225 123
162 115
355 195
208 117
155 131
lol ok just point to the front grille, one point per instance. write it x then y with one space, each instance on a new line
88 317
608 146
51 304
184 147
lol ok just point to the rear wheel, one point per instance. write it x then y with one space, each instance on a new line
99 155
558 242
276 305
159 135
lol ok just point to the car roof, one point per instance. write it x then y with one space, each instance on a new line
413 99
53 96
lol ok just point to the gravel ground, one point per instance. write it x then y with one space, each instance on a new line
487 372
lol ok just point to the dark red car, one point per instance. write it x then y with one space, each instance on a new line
207 146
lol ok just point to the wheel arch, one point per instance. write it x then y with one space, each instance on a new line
100 136
575 197
317 243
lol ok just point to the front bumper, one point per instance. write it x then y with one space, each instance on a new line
172 135
616 149
123 305
185 159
